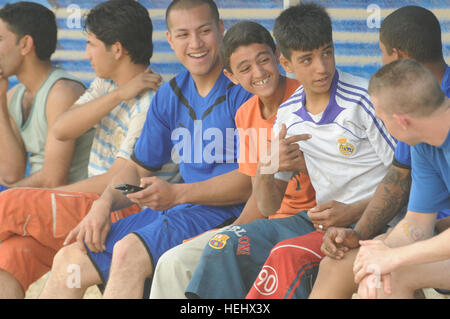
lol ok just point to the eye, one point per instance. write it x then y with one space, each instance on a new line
244 69
206 31
306 61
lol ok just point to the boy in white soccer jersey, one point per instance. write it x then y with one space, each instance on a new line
347 156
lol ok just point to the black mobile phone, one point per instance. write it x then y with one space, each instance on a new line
128 189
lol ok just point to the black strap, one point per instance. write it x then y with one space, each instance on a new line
176 89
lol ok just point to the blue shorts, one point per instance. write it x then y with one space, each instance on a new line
3 188
161 230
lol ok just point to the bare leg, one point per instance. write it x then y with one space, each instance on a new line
130 266
335 279
72 273
10 288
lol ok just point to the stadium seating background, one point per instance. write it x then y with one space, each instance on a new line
356 42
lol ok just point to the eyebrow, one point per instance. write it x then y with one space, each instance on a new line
257 56
183 29
310 54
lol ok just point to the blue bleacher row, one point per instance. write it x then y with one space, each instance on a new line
362 58
162 4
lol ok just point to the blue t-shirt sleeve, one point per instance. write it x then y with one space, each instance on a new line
427 195
153 148
402 156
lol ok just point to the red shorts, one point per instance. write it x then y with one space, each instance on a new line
33 225
288 271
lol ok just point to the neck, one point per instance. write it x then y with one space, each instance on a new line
316 102
205 83
270 105
437 68
436 127
33 73
126 71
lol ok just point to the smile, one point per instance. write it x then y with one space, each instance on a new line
262 82
198 55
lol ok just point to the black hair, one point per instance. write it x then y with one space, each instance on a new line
188 4
124 21
243 33
304 27
414 30
33 19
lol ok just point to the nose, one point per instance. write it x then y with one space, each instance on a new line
320 65
259 71
196 41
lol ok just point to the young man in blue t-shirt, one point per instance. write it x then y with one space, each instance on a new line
193 114
397 41
415 110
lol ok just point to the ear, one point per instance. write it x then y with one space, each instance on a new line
221 27
26 45
286 64
277 53
397 53
118 50
169 38
230 75
403 120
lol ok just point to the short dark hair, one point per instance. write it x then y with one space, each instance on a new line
414 30
33 19
412 88
304 27
243 33
188 4
124 21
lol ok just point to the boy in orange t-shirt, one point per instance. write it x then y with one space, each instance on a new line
250 58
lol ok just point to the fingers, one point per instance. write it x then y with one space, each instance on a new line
297 138
71 236
282 133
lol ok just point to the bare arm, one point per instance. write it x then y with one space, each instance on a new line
96 184
227 189
390 197
405 245
250 211
269 193
81 117
13 166
94 228
58 154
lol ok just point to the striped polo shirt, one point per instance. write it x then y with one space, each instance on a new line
118 131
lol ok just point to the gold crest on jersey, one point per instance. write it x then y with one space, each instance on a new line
219 241
345 147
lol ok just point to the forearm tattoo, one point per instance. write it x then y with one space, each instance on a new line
391 196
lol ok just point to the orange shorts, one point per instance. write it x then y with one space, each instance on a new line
33 225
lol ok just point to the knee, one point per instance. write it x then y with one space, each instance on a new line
130 254
68 255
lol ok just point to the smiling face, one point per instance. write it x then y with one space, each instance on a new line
195 37
10 53
314 69
255 67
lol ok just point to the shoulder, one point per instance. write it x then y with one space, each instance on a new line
247 108
64 93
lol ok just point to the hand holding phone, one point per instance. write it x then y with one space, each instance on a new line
128 189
